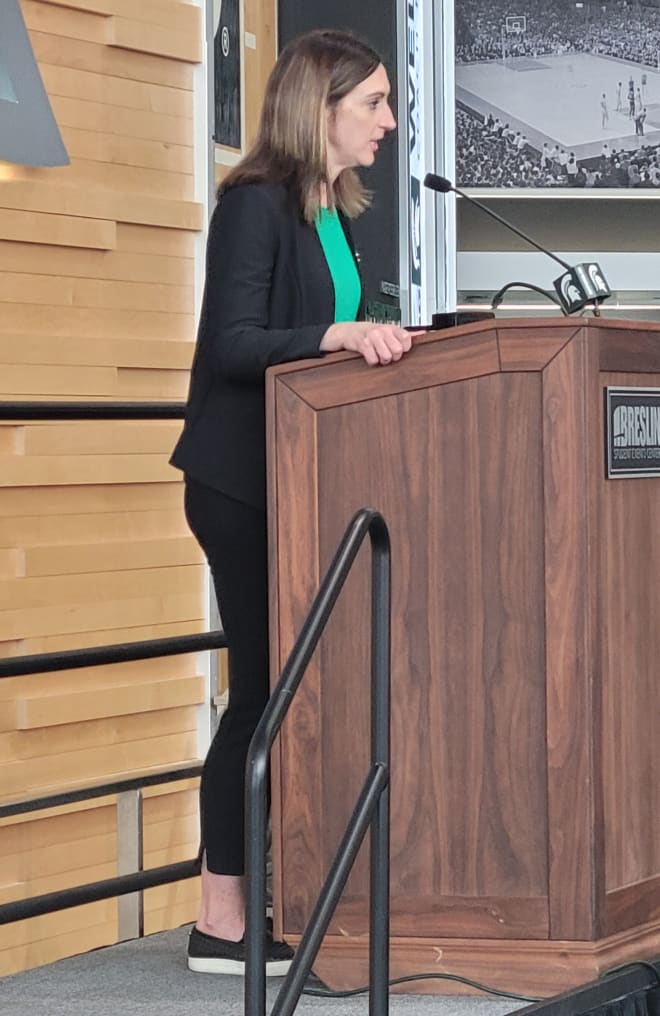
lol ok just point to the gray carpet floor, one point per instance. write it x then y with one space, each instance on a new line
148 977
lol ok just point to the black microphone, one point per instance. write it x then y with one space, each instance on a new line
576 288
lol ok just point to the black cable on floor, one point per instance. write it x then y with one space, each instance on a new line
327 993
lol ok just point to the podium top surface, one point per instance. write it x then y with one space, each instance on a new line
499 345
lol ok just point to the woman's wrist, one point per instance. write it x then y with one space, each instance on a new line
340 334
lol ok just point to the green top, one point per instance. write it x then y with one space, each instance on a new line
338 254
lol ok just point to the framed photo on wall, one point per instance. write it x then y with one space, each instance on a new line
558 95
227 73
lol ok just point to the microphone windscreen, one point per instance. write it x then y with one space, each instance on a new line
438 183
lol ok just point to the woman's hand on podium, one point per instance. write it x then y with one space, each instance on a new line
376 343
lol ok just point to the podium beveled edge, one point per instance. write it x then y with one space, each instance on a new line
477 327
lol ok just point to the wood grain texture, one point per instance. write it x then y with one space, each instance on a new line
148 38
165 13
117 266
435 460
295 576
531 348
630 558
259 18
70 52
571 439
99 305
57 229
147 96
633 904
39 196
349 379
536 968
525 766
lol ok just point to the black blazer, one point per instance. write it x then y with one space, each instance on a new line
269 298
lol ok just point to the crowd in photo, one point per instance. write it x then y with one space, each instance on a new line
491 153
620 29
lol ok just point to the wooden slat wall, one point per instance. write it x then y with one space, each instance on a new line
97 301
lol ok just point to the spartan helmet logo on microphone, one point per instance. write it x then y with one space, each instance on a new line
569 290
597 280
582 285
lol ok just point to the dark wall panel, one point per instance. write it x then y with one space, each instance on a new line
377 231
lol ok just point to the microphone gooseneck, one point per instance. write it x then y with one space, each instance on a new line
443 186
577 288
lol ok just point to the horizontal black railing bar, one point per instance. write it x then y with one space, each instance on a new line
94 790
92 410
122 652
19 910
39 663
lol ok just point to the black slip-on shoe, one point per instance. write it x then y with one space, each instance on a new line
210 955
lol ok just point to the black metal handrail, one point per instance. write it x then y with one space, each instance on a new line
121 884
38 663
79 410
120 652
372 807
91 791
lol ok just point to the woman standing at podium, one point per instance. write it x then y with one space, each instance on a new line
282 283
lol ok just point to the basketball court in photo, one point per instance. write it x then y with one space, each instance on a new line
556 99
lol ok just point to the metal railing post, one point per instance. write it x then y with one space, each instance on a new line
379 909
130 908
372 808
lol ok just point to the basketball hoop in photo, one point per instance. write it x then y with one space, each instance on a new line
515 24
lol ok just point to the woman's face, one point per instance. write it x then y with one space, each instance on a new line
358 123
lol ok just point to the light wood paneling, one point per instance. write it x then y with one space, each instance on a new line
57 946
59 229
83 172
38 349
97 273
96 763
162 13
140 239
144 38
28 319
96 438
60 291
259 19
88 56
37 196
115 91
96 291
106 529
63 21
118 266
50 710
111 149
138 497
106 636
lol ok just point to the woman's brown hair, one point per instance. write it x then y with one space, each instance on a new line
312 74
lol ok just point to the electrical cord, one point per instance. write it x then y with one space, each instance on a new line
348 993
499 296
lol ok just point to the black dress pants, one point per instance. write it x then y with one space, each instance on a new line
233 538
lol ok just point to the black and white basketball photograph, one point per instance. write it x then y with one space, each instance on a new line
558 94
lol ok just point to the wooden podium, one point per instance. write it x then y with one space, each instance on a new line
525 792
